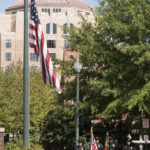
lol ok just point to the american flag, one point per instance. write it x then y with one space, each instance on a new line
36 41
93 142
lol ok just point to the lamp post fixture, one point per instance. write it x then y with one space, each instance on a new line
141 147
77 66
146 141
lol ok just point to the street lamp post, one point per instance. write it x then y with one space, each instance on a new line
146 141
77 67
141 147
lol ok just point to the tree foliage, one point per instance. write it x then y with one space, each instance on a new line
59 129
42 99
11 90
115 52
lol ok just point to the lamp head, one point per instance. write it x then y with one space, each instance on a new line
77 66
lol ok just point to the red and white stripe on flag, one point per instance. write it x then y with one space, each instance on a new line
36 41
93 143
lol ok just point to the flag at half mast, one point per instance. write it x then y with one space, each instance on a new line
36 41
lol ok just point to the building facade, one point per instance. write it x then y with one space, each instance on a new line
54 15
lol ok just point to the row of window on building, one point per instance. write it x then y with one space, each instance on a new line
58 10
65 26
48 29
47 10
50 44
33 57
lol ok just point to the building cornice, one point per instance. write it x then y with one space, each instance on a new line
19 4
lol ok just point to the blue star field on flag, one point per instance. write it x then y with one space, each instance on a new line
34 13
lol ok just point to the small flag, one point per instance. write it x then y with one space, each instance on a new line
36 41
106 142
93 142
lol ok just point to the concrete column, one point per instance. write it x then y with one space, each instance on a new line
2 130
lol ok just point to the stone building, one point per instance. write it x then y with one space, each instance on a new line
54 16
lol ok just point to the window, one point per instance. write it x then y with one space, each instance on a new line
67 44
46 10
13 12
87 13
56 10
8 43
66 13
54 28
65 28
33 57
49 11
51 43
48 28
71 26
79 11
52 55
8 56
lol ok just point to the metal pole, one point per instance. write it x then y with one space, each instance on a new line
26 78
146 146
77 109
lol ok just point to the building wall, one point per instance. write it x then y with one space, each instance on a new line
5 36
5 23
13 28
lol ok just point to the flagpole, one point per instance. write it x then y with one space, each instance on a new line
91 133
26 78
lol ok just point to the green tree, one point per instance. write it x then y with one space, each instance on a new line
59 129
42 99
11 99
115 52
126 31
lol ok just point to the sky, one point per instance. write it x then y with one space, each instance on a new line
5 3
